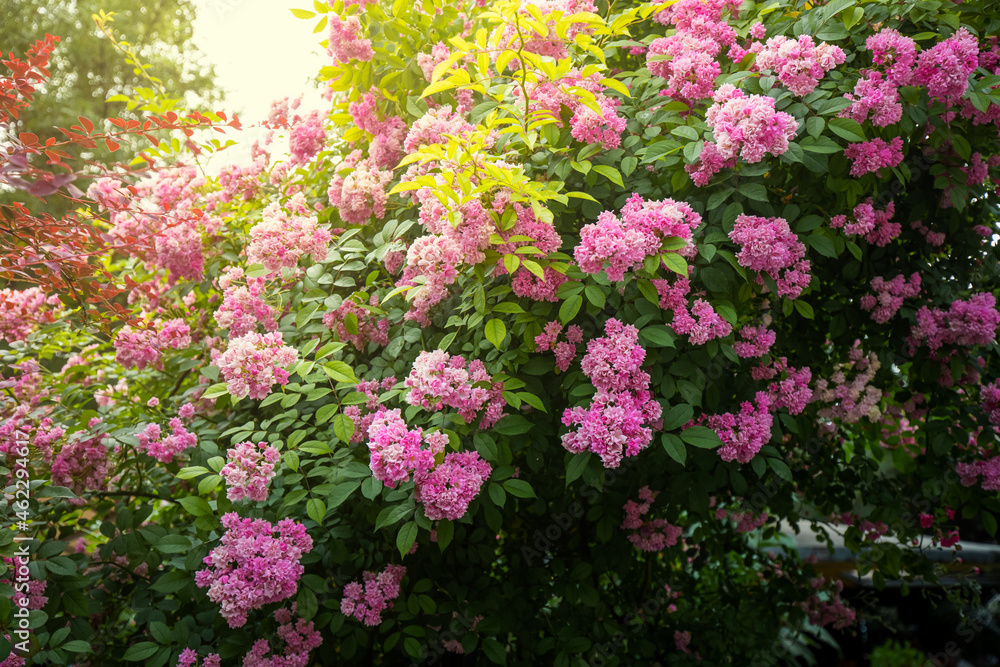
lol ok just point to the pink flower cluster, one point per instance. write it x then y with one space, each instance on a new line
144 347
648 535
598 127
386 145
757 341
823 611
709 163
989 394
366 325
565 351
748 127
708 325
870 156
346 42
876 96
889 295
944 69
850 401
366 603
252 566
791 391
447 490
965 323
438 380
687 62
249 469
770 246
243 307
602 125
254 362
617 422
361 193
279 240
299 638
544 237
306 138
744 433
165 448
988 470
361 423
799 64
396 452
550 44
189 658
623 244
437 259
428 61
21 311
875 226
81 465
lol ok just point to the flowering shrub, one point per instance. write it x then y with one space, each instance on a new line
554 315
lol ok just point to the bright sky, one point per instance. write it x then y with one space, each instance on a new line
261 53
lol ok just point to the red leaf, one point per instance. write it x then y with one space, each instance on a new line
112 144
86 123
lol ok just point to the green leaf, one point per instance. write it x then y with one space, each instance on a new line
701 436
675 263
846 128
343 428
674 447
445 533
216 390
195 505
495 651
340 371
406 536
805 310
595 295
677 416
577 464
823 244
519 488
780 469
140 651
302 13
341 492
77 646
611 173
754 191
316 510
497 495
324 413
496 331
658 335
569 308
629 164
392 515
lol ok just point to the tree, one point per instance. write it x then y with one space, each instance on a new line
532 346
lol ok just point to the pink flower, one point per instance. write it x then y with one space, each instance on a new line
687 62
965 323
366 324
23 311
254 362
890 295
447 490
623 244
652 534
944 69
248 470
346 43
799 64
616 423
252 566
870 156
605 127
758 340
748 127
746 432
438 380
243 307
165 448
876 226
397 452
366 603
770 246
280 240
